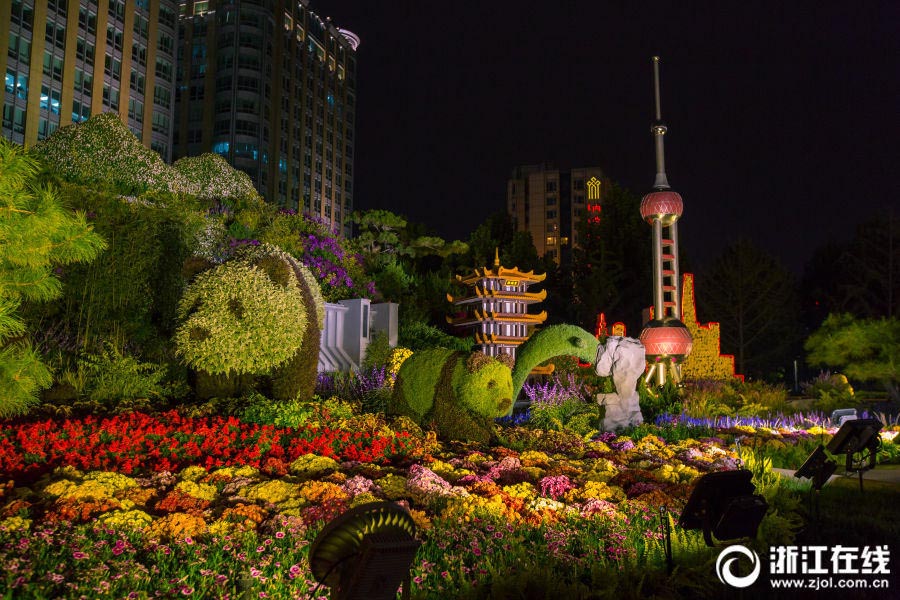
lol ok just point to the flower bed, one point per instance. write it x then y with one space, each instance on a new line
146 505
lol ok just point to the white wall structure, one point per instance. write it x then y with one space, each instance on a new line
349 326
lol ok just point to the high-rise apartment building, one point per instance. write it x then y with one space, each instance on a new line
549 202
70 59
271 87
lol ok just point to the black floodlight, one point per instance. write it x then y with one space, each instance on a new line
723 504
366 553
817 467
855 436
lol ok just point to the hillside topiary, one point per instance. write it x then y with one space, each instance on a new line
457 394
212 178
103 152
252 322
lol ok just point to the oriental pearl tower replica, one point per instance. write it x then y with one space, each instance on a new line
665 337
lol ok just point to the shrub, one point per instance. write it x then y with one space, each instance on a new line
213 178
417 335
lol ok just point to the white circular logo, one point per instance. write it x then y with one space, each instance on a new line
723 566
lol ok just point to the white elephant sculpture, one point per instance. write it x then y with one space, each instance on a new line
624 359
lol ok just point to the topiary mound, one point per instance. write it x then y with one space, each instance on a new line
213 178
457 394
252 322
103 151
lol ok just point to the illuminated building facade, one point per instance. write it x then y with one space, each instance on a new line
271 87
496 307
67 60
548 203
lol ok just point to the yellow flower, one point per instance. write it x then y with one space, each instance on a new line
598 490
274 491
395 360
420 519
111 481
15 524
310 466
322 492
393 486
130 520
242 471
59 488
534 458
177 526
192 473
363 498
523 490
202 491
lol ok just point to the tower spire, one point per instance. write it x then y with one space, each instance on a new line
659 131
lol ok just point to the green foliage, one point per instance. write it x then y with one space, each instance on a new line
378 352
236 319
611 267
458 394
417 335
258 314
111 377
36 234
867 350
574 415
103 154
664 400
556 340
754 297
214 178
293 413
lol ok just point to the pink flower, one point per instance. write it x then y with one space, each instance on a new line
79 555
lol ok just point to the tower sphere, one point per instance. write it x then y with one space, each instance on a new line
666 205
666 338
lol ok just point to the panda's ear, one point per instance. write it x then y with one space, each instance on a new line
506 360
476 361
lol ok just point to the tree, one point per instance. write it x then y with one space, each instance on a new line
611 267
867 350
37 234
861 277
754 297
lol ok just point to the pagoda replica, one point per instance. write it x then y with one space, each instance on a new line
665 337
496 307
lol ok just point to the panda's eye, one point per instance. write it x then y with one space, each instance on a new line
491 384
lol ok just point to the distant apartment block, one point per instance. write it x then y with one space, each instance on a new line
68 60
271 87
548 203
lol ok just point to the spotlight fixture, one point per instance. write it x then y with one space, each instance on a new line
817 467
842 415
366 553
723 504
859 441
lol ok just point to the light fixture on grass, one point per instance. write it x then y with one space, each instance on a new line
859 441
366 553
817 467
723 504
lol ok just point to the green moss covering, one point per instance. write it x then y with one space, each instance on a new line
256 315
456 394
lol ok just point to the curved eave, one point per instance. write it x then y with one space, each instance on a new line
499 340
521 297
501 273
511 317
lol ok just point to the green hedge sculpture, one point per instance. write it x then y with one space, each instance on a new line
457 394
253 322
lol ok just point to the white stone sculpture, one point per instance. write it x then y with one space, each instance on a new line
624 359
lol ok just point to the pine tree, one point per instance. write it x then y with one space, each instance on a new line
37 234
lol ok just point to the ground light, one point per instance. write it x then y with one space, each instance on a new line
366 553
859 441
723 504
818 467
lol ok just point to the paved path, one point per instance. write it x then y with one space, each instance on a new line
889 474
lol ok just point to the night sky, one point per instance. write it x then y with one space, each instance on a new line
782 116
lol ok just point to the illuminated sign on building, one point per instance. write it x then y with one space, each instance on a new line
594 209
512 282
593 189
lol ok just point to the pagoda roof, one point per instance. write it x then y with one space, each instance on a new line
499 295
491 315
500 273
499 340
